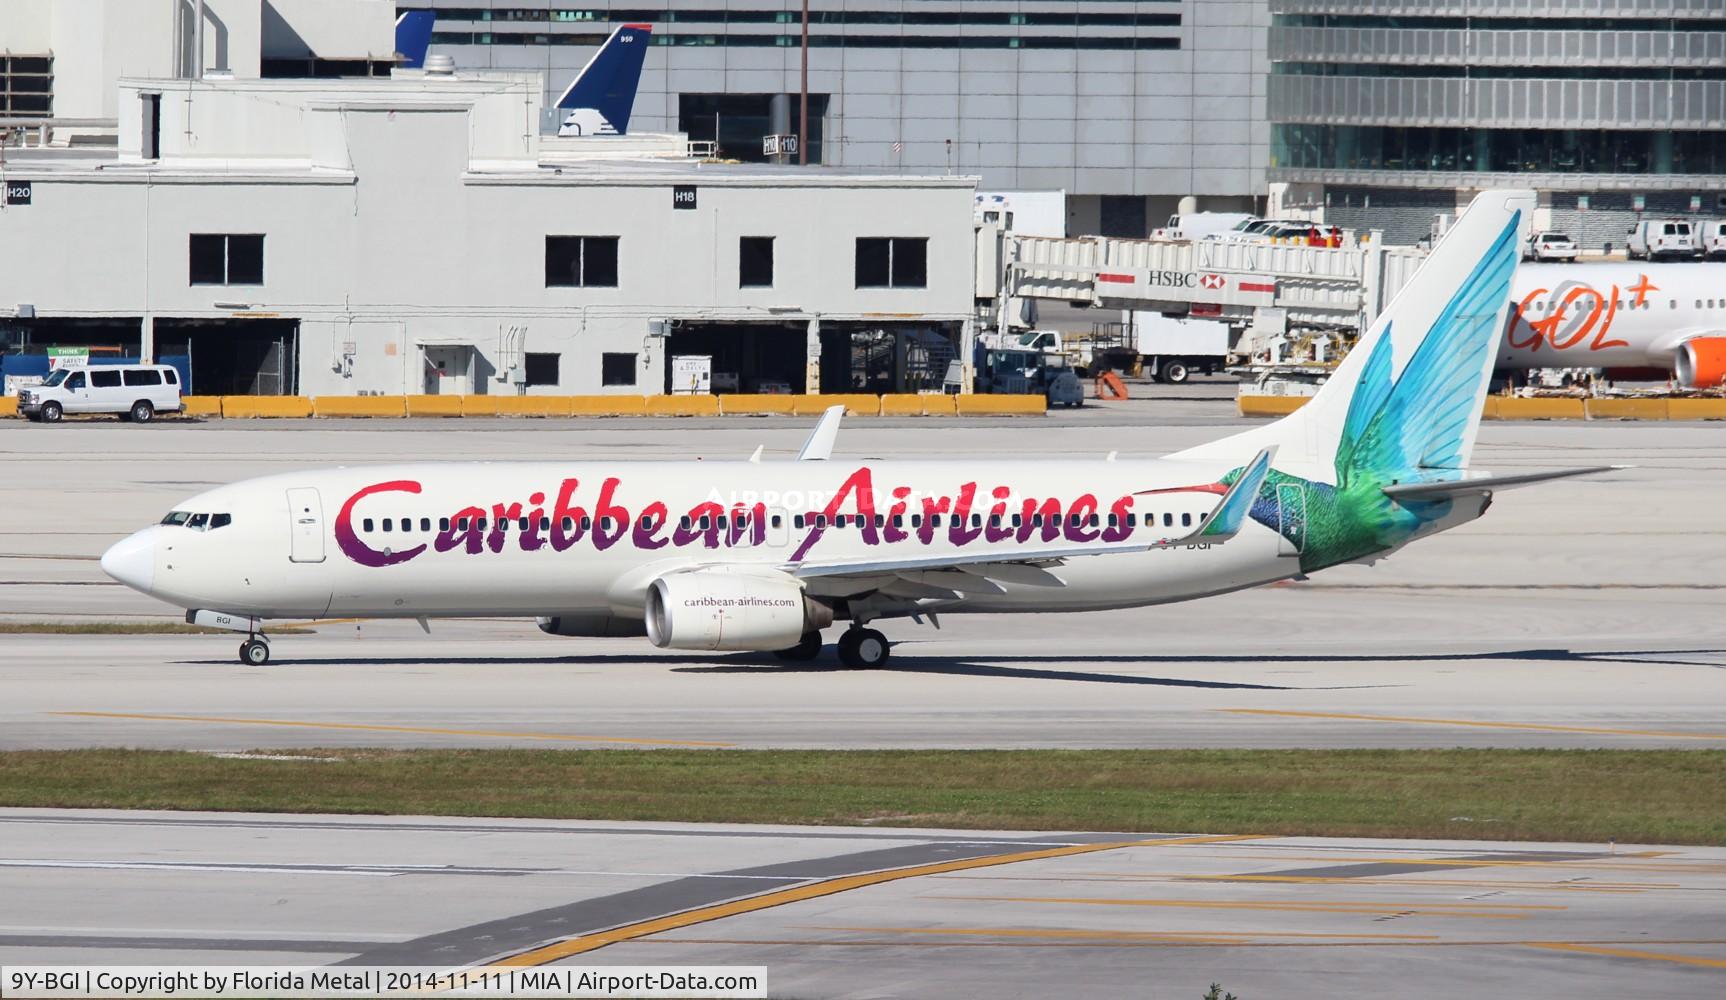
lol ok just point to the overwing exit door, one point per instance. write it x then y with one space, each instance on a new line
305 525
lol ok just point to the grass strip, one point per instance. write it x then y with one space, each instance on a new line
1592 796
130 628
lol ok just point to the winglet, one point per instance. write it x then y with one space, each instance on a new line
1225 522
819 447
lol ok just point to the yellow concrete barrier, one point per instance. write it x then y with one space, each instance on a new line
201 406
902 404
1269 406
755 403
683 406
1696 409
856 404
248 407
988 405
607 406
359 406
1540 408
9 406
938 404
1626 409
433 406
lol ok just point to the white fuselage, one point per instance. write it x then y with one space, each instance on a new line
1611 315
592 537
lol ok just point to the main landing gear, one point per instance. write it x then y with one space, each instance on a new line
255 651
859 647
863 648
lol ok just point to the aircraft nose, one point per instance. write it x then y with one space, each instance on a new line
132 560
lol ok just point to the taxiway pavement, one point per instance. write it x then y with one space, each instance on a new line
868 912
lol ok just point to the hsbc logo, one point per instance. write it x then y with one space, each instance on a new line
1212 281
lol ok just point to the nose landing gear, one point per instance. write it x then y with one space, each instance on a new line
255 651
863 648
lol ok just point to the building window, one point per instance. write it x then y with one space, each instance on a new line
616 369
542 369
227 259
755 262
894 262
581 262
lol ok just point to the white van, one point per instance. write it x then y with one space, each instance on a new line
1713 242
135 392
1652 239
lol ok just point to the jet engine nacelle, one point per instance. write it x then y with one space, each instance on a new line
717 609
593 626
1702 362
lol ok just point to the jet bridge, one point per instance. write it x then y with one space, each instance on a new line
1341 288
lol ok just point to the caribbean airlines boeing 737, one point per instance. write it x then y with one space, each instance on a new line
763 555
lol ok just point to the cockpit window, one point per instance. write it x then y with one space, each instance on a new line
198 521
177 517
220 521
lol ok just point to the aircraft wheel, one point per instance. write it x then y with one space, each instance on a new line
807 648
863 648
254 652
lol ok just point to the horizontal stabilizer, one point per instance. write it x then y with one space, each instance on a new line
1445 489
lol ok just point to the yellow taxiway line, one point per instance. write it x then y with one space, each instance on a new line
1476 723
1473 911
368 727
1652 956
813 890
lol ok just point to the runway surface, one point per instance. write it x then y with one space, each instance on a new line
1580 613
850 912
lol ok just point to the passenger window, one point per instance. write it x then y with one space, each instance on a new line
880 521
568 525
479 522
796 520
587 524
934 520
366 525
461 524
443 524
1186 520
704 523
220 521
386 524
1018 520
976 520
75 381
777 520
994 520
171 376
105 379
425 524
916 520
1168 520
523 524
143 376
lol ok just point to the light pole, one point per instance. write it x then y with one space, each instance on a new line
803 95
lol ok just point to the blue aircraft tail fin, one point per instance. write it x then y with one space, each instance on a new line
413 37
601 96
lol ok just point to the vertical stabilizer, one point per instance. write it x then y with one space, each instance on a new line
1409 395
599 99
413 37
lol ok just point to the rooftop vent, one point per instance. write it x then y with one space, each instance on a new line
440 65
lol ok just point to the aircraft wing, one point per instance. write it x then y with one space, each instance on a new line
1446 489
979 571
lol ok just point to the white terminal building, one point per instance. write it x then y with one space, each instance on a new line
418 234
